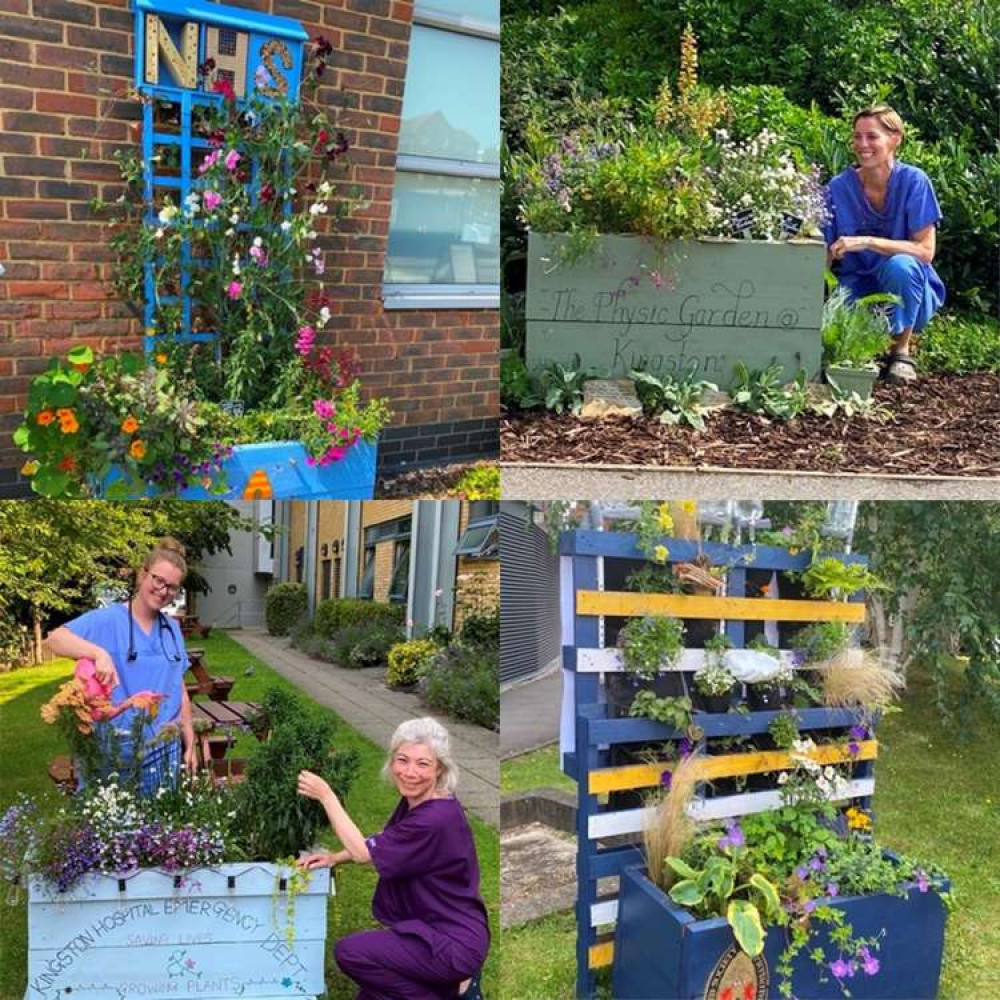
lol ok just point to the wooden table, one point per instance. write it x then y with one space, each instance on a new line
223 717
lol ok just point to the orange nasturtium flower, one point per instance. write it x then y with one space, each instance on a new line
130 425
68 464
161 359
138 450
30 468
69 424
45 418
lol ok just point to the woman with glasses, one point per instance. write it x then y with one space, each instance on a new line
882 232
435 933
136 648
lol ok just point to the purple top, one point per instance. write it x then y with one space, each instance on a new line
429 877
910 205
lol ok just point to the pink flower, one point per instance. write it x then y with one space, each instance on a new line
232 158
310 461
323 409
209 162
212 199
234 290
306 338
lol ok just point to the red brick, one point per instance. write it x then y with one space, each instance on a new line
73 310
14 51
31 76
14 97
36 210
69 272
38 251
17 143
93 291
35 289
68 149
69 104
30 27
63 10
27 121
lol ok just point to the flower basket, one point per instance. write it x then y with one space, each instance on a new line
848 380
232 930
662 951
280 470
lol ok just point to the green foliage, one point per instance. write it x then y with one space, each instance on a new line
462 681
675 711
651 644
822 640
784 730
277 820
763 392
653 580
284 605
829 577
518 387
481 482
562 388
854 334
363 644
481 630
336 613
408 661
958 345
672 400
714 678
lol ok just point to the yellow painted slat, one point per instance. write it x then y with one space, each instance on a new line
596 602
616 779
602 954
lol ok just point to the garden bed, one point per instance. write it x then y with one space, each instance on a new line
942 425
436 481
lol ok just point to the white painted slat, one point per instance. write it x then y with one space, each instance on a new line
631 820
609 661
566 595
605 912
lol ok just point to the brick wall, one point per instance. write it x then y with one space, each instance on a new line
477 588
65 72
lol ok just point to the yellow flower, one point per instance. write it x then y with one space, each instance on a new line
689 506
666 519
660 553
138 450
130 425
857 820
29 468
161 358
793 552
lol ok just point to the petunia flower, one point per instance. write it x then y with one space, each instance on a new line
212 200
232 159
234 290
842 969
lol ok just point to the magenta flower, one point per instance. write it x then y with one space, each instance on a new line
305 340
323 409
842 969
656 278
923 883
869 962
232 159
209 161
234 290
212 199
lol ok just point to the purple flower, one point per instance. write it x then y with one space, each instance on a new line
809 905
802 872
869 962
842 969
666 777
816 865
733 837
786 530
853 748
684 747
262 78
859 732
832 889
923 883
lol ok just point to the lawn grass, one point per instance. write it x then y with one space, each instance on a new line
26 744
937 798
538 769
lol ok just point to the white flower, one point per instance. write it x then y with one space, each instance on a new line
234 218
325 189
311 234
829 772
167 213
783 778
324 316
318 208
258 242
285 226
229 232
193 202
159 234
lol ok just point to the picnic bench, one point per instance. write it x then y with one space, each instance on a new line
217 688
190 626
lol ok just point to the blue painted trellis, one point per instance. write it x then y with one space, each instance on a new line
585 555
173 38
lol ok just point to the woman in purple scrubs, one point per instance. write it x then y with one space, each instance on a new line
881 233
436 932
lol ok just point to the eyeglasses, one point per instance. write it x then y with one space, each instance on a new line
160 584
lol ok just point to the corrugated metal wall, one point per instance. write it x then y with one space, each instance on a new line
529 595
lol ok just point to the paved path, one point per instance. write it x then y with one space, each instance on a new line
529 713
361 699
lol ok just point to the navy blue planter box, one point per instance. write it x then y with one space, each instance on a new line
278 470
663 953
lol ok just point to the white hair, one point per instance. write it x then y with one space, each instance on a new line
431 734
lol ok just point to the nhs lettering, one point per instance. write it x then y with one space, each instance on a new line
254 53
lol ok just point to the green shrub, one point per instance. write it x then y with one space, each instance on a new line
408 661
481 630
305 637
367 645
336 613
481 482
463 682
959 345
284 605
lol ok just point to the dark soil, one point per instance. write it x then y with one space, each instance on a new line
436 481
943 425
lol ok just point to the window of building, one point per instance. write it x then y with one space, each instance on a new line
399 586
444 229
376 534
481 539
478 509
367 586
327 569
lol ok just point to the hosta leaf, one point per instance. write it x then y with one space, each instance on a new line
745 922
686 893
680 867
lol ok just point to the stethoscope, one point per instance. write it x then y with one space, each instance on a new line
161 619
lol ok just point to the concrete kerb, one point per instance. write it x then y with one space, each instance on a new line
365 704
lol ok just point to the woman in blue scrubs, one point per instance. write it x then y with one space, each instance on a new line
882 232
136 647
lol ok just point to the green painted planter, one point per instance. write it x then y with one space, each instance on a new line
696 306
859 380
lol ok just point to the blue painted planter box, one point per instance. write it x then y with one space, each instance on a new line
661 950
278 470
156 941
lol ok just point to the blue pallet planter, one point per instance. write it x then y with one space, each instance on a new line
278 470
662 951
216 933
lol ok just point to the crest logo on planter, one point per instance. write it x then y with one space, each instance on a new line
737 976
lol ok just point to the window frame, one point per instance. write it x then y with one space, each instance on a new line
404 295
484 549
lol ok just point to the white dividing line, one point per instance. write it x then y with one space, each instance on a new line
609 661
632 820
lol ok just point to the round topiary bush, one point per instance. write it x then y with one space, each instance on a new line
408 661
284 605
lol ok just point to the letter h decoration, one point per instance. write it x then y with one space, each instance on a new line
254 53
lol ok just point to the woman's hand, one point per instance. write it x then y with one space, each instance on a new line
312 786
848 244
190 758
321 860
105 667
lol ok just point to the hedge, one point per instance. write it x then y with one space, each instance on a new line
336 613
284 605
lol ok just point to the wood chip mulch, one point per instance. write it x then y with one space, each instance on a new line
437 481
943 425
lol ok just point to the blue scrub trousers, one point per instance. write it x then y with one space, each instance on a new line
905 276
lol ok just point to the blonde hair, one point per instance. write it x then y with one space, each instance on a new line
431 734
886 116
167 550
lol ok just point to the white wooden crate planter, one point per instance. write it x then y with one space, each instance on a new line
601 826
227 931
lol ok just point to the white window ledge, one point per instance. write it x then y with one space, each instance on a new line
441 296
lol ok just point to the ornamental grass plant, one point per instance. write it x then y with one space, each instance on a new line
669 831
858 677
